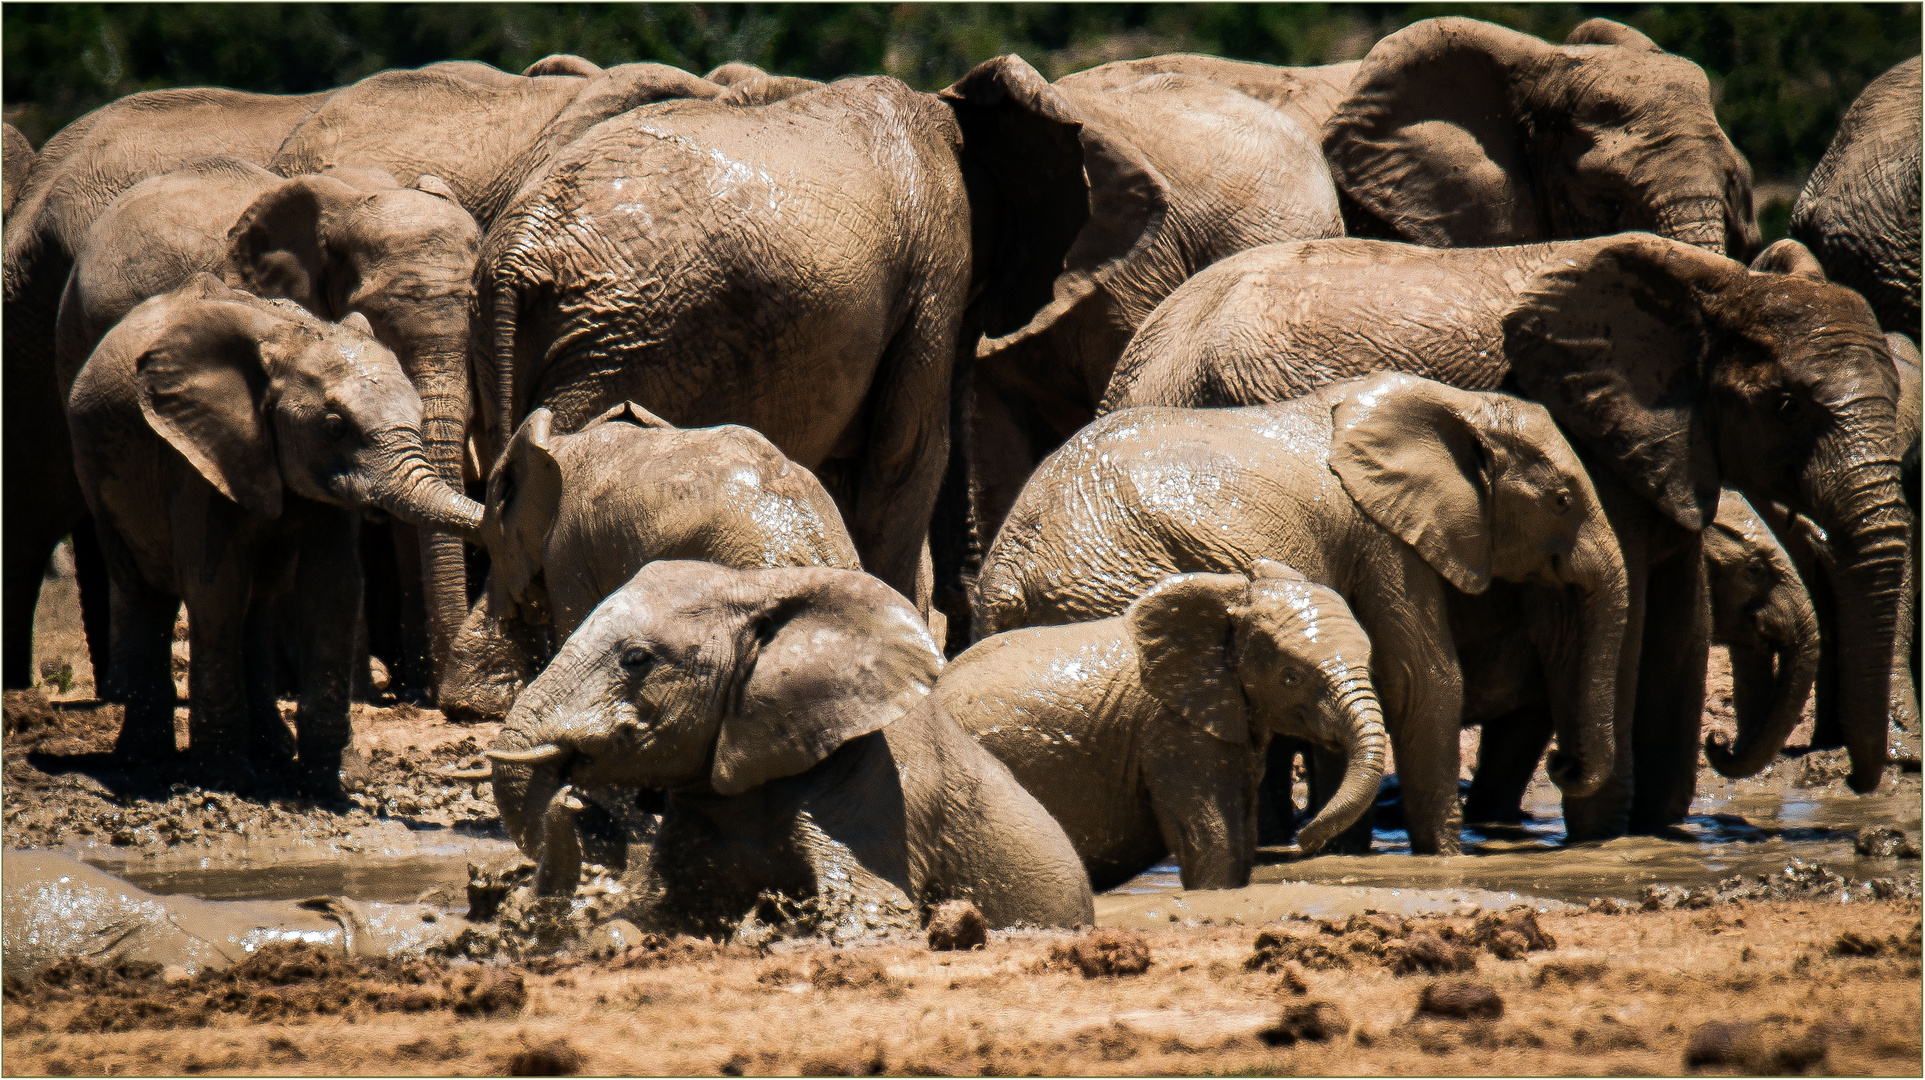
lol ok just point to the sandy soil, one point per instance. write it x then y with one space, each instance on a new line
1771 975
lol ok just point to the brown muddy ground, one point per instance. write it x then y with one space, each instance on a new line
1805 984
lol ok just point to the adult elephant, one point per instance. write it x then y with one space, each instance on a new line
78 173
1393 491
1104 194
799 268
1674 368
401 257
16 167
1859 212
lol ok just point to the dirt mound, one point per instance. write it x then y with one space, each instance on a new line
1105 952
1433 945
955 925
1314 1021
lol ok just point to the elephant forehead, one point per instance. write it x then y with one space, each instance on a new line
1308 620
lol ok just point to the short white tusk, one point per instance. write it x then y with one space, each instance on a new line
545 754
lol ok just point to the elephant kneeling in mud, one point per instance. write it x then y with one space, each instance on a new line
1145 733
787 714
227 446
571 517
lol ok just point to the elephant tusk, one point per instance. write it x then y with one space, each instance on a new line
545 754
464 774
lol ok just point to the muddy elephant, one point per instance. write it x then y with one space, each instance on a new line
1673 369
1859 212
1106 195
350 241
16 167
798 268
571 517
1144 734
787 714
1390 490
227 446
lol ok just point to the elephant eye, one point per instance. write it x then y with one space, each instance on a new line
334 424
637 660
1787 403
1562 501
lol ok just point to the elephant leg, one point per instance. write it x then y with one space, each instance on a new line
1276 799
218 724
1904 713
907 448
1508 751
40 496
1670 701
96 608
269 741
1402 608
416 671
1606 812
329 584
142 640
1001 457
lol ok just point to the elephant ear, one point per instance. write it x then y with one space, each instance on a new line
1182 632
1060 207
1430 141
524 497
1905 358
828 656
1413 455
278 247
1614 341
629 413
203 383
436 186
563 64
1607 32
1788 256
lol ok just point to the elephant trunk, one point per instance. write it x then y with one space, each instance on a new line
1586 735
1765 719
1865 520
1696 220
443 386
528 775
410 489
1364 743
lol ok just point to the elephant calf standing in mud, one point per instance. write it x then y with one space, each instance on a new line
571 517
227 446
1145 733
1392 491
787 714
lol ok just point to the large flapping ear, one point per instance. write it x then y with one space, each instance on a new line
1788 256
563 64
1614 340
1905 358
203 384
278 247
1607 32
629 413
1060 206
1182 633
524 497
1430 140
827 656
1413 455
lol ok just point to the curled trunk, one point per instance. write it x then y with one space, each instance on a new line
1364 747
1766 716
406 486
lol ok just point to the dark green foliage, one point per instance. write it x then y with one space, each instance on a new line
1784 73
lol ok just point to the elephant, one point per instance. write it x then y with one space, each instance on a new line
1105 194
15 169
1145 733
1674 370
78 173
787 713
226 446
1859 211
59 908
350 241
571 517
718 291
1307 95
1761 612
1390 490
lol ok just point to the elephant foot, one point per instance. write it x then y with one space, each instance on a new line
143 748
272 744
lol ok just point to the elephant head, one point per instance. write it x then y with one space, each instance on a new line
16 163
1762 613
1484 486
262 397
1683 371
1228 654
1459 133
702 679
403 258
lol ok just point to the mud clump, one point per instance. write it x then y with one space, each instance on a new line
1107 952
1277 952
1427 952
1570 972
1751 1047
1429 945
1460 999
1313 1021
1884 842
552 1058
956 925
1290 978
845 971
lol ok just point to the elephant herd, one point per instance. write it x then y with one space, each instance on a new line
1204 413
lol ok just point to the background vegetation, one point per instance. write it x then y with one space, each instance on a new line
1784 73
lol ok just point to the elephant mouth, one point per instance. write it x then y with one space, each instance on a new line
1565 769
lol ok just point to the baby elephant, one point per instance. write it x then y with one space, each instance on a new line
571 517
1145 733
227 446
787 714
